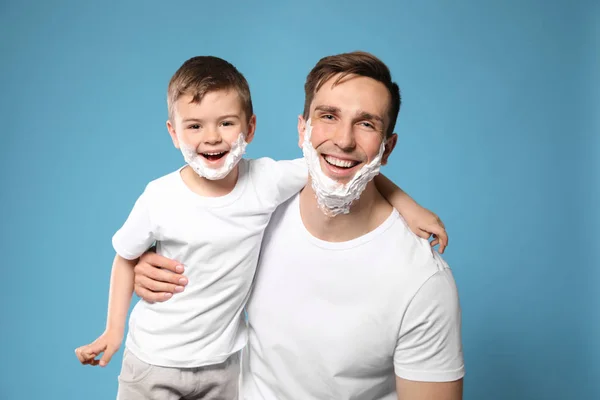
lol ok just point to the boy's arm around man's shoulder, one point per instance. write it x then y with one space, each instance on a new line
279 180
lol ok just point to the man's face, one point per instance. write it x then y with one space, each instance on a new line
211 126
349 122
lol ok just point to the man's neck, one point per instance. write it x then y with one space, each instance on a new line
366 214
206 187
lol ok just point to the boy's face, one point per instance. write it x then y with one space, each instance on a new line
211 126
349 122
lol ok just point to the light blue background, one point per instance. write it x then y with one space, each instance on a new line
499 134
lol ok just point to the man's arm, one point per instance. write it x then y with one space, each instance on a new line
157 278
413 390
421 221
428 358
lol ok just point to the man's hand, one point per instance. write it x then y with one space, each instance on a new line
157 278
425 223
108 343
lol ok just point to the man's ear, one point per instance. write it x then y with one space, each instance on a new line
390 143
301 130
251 129
173 134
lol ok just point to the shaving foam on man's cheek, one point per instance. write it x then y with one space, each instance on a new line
199 165
334 197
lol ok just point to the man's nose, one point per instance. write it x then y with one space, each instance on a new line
344 137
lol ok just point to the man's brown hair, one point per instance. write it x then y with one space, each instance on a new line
355 63
203 74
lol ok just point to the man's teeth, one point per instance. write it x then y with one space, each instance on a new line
340 163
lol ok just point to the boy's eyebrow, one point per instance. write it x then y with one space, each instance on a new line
220 117
229 116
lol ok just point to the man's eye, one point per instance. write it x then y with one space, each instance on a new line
327 116
368 125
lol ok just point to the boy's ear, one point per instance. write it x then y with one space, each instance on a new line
173 134
251 129
390 143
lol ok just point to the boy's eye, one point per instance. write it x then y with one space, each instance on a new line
227 123
194 126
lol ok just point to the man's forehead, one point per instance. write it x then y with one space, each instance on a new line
354 95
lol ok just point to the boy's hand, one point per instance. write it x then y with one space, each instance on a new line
108 343
425 223
157 278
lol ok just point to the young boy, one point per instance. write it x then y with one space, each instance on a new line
210 215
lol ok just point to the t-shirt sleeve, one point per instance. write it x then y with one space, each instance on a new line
279 180
137 233
292 177
429 345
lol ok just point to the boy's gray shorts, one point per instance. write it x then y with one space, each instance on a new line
141 381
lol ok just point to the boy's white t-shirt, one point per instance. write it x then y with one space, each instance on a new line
218 241
342 320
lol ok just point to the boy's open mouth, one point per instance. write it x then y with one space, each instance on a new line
213 156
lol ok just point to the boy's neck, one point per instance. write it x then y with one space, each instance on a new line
206 187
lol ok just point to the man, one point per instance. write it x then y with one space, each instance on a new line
348 303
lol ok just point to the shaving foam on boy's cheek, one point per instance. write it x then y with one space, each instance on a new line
199 165
334 197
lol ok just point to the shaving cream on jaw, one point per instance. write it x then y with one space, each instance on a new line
334 197
199 165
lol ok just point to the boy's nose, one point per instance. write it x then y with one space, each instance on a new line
212 137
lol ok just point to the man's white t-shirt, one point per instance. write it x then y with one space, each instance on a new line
341 320
218 240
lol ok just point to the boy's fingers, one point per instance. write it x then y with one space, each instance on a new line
80 355
95 348
442 248
440 233
108 353
422 234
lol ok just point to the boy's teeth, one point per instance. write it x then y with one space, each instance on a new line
339 163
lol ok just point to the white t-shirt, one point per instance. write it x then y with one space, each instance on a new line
218 240
341 320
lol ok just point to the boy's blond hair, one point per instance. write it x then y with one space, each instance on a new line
203 74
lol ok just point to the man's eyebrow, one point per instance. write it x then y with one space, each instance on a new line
369 116
328 109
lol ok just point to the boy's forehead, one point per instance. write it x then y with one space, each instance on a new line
215 101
